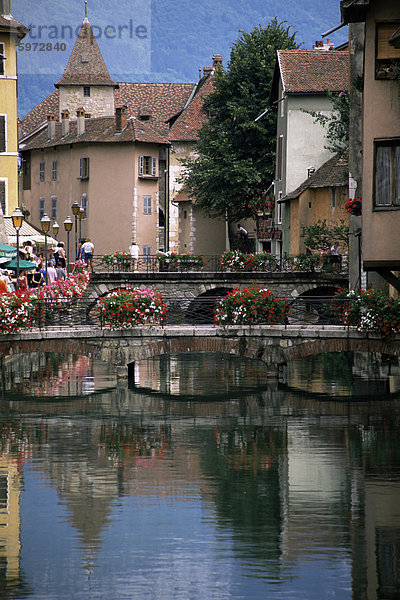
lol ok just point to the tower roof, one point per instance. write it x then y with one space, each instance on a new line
86 65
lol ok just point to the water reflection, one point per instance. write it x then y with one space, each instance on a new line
263 495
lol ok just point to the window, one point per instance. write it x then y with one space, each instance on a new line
387 174
84 168
54 171
333 197
41 171
84 204
386 55
3 139
3 492
279 209
2 60
146 255
147 205
280 157
148 166
54 208
3 196
86 90
41 207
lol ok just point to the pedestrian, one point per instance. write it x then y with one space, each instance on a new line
335 257
88 248
22 282
243 238
37 277
3 284
134 250
51 272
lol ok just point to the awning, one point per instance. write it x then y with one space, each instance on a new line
7 251
27 233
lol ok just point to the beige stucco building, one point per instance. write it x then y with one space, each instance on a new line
378 42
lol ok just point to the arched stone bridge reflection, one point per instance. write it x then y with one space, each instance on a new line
274 345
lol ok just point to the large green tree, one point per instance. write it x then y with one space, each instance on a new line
234 166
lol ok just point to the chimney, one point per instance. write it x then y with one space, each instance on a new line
321 45
64 123
207 70
80 121
5 8
217 60
51 126
120 118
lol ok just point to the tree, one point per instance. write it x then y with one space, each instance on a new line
321 235
235 154
337 124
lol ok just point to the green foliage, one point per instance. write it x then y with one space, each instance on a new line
368 310
235 155
183 262
320 235
251 305
336 124
118 259
235 260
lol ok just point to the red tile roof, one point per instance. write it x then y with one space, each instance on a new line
193 116
161 100
100 130
313 71
86 65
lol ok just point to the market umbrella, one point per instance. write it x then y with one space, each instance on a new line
24 265
7 251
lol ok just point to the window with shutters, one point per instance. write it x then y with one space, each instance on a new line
146 254
41 171
147 205
54 171
84 168
387 57
3 130
280 157
387 174
3 196
2 60
41 207
147 166
54 208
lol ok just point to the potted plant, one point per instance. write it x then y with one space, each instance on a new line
354 206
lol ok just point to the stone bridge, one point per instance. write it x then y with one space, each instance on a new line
190 285
275 345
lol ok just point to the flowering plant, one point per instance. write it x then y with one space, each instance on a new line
354 206
22 309
304 262
265 206
368 310
235 260
120 259
181 260
250 305
126 308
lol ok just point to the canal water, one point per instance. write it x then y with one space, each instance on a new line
199 480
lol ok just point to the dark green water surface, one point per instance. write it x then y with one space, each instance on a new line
200 480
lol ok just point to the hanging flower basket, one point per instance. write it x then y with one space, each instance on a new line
354 206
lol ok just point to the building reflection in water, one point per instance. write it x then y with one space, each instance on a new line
289 478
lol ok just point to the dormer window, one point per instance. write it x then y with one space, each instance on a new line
144 114
86 90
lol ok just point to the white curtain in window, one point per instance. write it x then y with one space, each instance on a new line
382 192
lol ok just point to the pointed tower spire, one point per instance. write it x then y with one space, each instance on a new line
86 65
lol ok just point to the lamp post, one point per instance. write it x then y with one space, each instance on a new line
17 219
68 227
56 229
45 222
81 216
75 211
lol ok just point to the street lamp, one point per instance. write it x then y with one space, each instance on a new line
56 229
17 219
45 222
75 211
68 227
